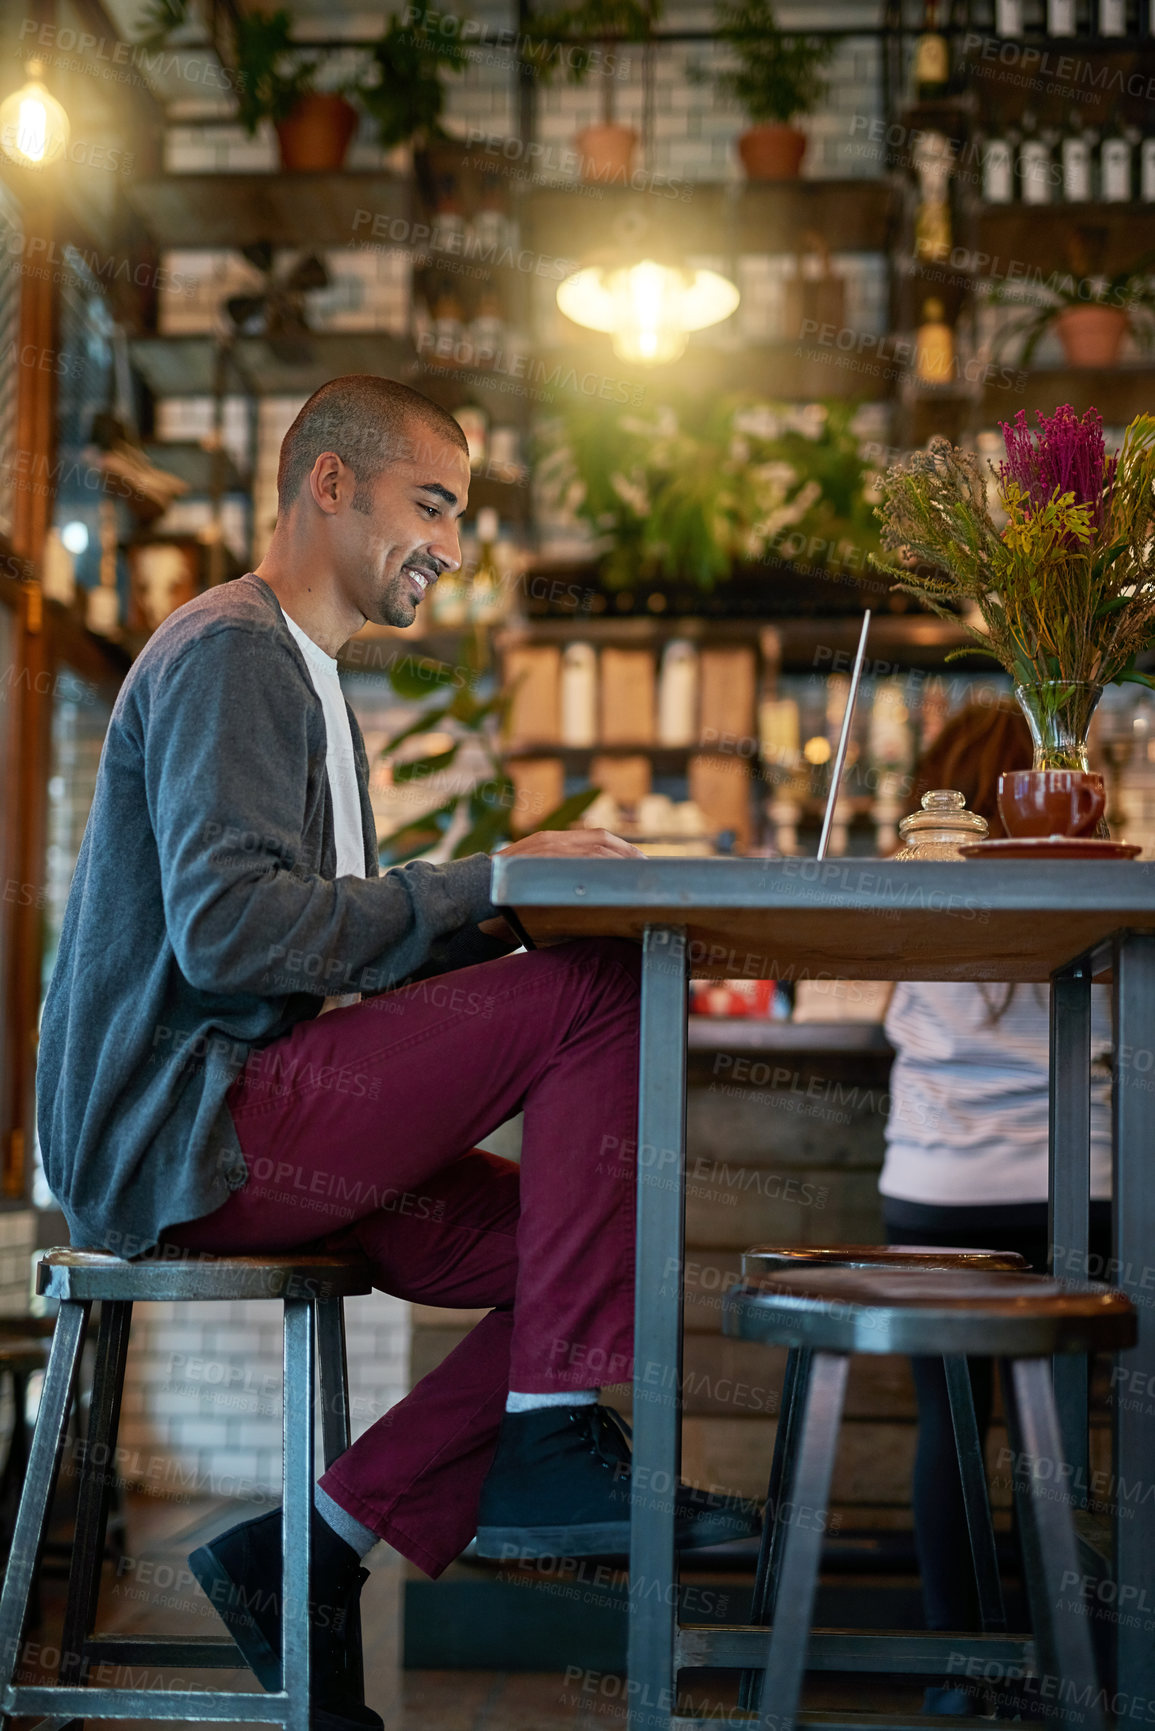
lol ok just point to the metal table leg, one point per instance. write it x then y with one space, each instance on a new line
658 1328
1134 1223
1069 1221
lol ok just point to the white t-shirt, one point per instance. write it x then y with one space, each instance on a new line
348 829
968 1096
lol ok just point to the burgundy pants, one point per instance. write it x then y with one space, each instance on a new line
358 1130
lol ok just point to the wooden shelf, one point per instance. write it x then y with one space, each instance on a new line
194 465
753 1034
901 640
854 215
665 759
796 371
1023 235
231 210
180 366
1119 393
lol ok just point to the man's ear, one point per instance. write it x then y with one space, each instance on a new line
327 481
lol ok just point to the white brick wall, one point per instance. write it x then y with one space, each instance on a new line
17 1238
202 1401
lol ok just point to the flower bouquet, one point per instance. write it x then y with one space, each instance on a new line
1065 588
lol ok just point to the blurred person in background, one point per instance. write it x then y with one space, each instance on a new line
967 1154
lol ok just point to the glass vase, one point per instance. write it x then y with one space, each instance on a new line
1059 713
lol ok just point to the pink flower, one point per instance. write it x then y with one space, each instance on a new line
1067 455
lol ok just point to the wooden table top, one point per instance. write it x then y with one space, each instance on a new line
859 919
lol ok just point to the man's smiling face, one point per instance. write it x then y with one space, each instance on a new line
402 530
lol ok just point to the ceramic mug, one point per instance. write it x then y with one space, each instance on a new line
1035 802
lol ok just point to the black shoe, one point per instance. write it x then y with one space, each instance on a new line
559 1486
240 1571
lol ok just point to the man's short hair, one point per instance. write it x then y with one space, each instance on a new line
369 422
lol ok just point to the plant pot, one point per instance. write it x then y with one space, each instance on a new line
772 152
607 152
314 137
1091 336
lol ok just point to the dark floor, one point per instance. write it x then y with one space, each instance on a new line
149 1592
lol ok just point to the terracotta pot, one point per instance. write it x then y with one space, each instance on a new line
316 135
607 152
1091 336
772 152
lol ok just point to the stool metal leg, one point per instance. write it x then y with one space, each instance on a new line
808 1487
976 1498
794 1386
1062 1626
43 1467
297 1504
96 1476
333 1376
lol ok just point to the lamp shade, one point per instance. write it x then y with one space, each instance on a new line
33 126
647 308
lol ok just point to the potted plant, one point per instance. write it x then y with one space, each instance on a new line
1090 315
600 27
278 81
1065 588
778 78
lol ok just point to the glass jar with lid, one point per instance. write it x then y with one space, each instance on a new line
936 831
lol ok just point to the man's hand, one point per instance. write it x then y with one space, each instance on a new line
563 844
574 844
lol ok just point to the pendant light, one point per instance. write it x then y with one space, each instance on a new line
33 126
648 307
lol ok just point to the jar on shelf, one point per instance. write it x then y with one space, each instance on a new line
942 825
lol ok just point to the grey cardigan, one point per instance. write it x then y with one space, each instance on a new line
205 918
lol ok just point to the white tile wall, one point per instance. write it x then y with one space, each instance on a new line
202 1403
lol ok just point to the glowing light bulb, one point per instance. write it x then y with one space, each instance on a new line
34 128
646 308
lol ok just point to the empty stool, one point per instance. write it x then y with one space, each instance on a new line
1019 1319
770 1259
312 1290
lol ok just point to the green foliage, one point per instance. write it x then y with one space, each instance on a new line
779 76
401 88
486 800
273 78
597 21
403 92
689 493
1059 599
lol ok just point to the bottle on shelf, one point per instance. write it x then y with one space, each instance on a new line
474 423
492 228
931 55
933 162
1147 167
1114 18
487 596
997 157
1116 156
1061 18
579 695
1009 18
103 602
1076 154
487 329
1036 167
934 346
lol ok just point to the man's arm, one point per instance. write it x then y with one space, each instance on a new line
225 758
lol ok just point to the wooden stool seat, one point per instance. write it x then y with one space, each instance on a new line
928 1311
311 1289
769 1258
90 1275
826 1313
